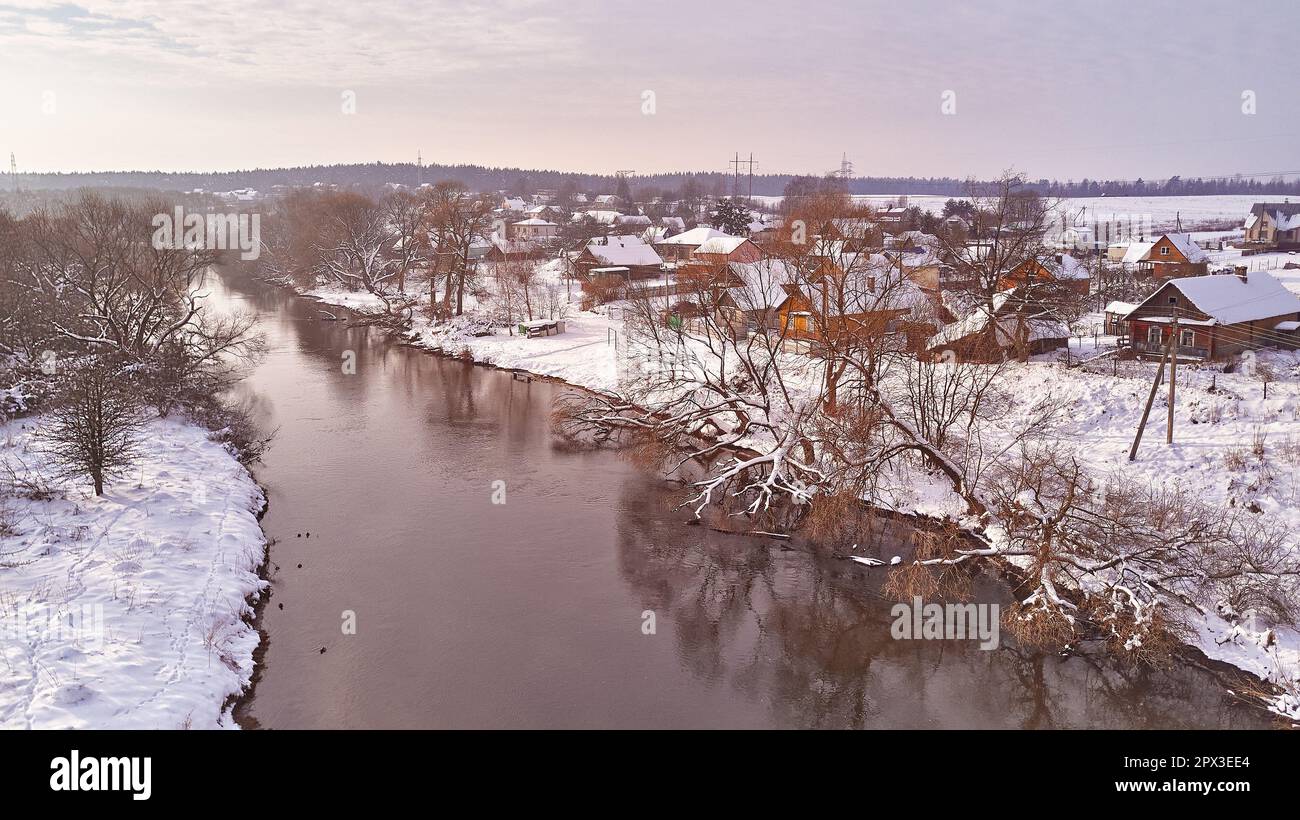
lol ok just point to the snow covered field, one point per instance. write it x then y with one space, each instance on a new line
130 610
1163 210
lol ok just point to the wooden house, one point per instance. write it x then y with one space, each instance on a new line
1218 316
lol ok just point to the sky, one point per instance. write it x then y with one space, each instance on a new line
1099 89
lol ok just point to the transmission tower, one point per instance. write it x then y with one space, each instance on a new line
13 171
736 163
845 171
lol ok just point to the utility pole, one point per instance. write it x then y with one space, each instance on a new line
1155 385
1173 378
735 184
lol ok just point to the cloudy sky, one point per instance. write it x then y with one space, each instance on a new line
1099 89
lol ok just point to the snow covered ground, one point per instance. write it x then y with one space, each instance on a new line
130 610
1232 448
1163 210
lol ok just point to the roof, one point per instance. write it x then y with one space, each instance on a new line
1137 251
601 217
1228 299
535 221
1122 308
1039 325
1183 242
695 236
1070 268
1283 213
720 244
623 250
764 284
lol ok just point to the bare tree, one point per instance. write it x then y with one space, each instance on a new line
94 428
458 221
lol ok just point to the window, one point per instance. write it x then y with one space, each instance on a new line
1153 335
1187 338
1164 250
1173 300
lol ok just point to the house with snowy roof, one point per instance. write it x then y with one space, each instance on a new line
640 259
632 221
679 247
534 230
870 298
502 250
1217 316
1061 271
1274 224
1171 256
722 250
1012 325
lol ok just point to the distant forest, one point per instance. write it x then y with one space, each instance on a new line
525 181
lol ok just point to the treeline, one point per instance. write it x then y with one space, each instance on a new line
372 176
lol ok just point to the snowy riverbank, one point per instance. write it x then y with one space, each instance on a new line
130 610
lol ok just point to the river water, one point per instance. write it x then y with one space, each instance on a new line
531 613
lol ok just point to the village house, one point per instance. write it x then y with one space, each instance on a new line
1014 326
679 247
1218 316
1063 271
869 301
534 230
628 252
857 233
892 220
765 231
1274 224
543 211
672 224
722 250
600 217
1171 256
754 294
632 222
1115 318
503 250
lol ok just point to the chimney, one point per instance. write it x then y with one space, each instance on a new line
1242 273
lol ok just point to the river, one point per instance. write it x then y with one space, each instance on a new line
532 613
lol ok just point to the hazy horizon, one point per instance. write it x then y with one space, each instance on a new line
1106 91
